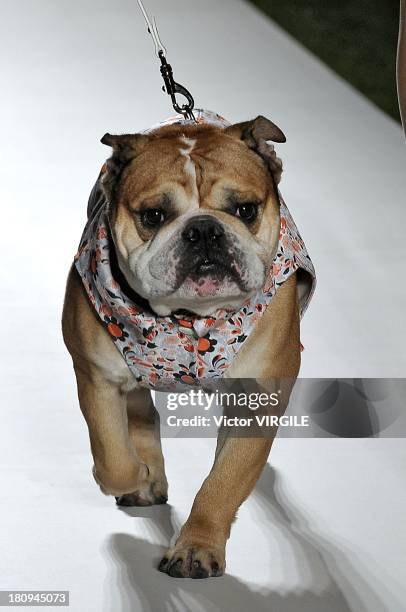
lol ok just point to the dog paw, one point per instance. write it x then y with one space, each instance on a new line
154 493
196 561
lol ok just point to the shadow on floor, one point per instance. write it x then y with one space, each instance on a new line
136 585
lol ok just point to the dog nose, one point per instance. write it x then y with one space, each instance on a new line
203 230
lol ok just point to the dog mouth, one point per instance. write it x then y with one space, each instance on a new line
208 267
202 283
208 276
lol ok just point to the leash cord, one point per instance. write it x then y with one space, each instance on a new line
171 86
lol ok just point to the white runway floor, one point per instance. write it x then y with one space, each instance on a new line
324 530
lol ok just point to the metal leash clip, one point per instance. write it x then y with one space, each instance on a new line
171 87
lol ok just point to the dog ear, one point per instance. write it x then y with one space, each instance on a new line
255 134
125 148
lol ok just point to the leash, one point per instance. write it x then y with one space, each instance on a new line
171 87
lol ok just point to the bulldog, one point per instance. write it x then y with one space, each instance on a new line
190 268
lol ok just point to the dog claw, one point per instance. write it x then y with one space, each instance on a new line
175 569
215 569
198 571
162 499
163 564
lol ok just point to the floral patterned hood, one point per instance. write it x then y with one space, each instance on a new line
163 349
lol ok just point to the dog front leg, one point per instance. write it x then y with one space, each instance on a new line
145 435
117 468
200 549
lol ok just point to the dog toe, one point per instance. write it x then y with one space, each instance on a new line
194 562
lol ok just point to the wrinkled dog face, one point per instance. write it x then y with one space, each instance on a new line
194 212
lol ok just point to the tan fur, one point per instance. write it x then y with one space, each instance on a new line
220 163
122 421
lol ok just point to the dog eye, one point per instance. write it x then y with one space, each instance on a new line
152 217
247 212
